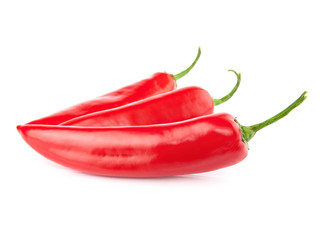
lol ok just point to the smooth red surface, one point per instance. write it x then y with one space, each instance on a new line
177 105
157 84
197 145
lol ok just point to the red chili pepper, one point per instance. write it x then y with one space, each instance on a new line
197 145
174 106
157 84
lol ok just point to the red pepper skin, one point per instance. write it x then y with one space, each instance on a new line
157 84
197 145
174 106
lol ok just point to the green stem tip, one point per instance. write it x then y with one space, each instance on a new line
249 131
230 94
183 73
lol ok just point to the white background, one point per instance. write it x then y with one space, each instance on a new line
54 54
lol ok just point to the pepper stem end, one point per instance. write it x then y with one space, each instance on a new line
230 94
183 73
248 132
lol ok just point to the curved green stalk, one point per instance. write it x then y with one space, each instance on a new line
183 73
250 131
230 94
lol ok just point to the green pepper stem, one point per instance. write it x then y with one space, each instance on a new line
250 131
183 73
230 94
